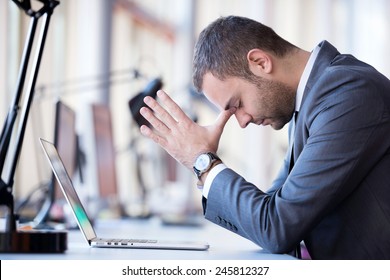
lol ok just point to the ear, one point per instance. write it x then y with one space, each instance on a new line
260 63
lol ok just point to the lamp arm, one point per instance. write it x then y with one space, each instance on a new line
6 197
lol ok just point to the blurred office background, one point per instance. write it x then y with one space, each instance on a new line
106 52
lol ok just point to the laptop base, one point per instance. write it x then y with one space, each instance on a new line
33 242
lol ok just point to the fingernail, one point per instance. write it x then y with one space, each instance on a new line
143 129
147 99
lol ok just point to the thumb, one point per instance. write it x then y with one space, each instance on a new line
223 117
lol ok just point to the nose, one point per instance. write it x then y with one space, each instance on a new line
243 118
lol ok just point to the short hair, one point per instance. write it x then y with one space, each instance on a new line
223 45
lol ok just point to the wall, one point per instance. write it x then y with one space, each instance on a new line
91 38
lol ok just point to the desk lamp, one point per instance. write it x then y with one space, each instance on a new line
12 239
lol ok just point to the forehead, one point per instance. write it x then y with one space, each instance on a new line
220 92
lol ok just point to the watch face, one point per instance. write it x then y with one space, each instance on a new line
202 162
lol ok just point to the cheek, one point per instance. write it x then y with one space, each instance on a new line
256 106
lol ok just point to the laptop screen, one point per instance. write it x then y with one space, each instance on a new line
68 189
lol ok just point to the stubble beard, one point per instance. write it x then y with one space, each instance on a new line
278 99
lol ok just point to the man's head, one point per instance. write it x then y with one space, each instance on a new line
234 65
222 48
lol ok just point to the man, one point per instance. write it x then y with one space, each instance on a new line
333 190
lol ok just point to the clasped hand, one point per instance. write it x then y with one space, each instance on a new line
179 135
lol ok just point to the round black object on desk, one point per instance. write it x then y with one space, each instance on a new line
33 241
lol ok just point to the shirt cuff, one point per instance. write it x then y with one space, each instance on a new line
210 178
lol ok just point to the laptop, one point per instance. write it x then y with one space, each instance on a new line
84 222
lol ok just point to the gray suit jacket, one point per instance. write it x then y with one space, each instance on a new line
337 196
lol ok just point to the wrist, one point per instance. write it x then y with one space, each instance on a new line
202 178
203 163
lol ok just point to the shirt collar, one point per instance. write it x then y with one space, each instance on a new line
305 77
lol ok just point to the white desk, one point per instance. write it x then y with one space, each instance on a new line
224 245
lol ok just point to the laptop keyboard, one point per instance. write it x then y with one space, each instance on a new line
127 241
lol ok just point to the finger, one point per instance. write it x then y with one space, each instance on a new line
174 109
146 131
223 117
161 113
154 121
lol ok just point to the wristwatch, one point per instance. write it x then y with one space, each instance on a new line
204 162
